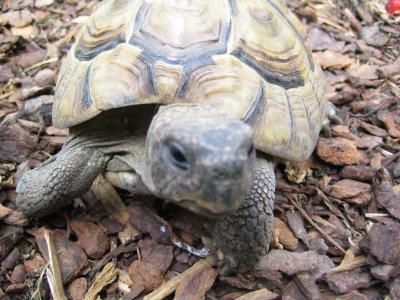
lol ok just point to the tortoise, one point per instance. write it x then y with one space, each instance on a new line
190 101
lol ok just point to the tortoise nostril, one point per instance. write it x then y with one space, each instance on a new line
251 149
178 157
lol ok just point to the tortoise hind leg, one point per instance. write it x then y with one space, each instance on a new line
244 237
59 180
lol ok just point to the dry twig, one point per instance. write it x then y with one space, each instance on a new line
319 229
53 271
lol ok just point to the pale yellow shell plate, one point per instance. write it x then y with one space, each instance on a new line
246 57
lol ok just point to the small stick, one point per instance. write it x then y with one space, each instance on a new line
110 199
42 63
319 229
39 284
170 286
6 95
376 215
53 271
120 250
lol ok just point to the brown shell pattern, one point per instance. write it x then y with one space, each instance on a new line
246 57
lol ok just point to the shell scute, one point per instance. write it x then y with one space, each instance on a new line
76 106
282 60
180 31
121 77
227 84
105 29
294 117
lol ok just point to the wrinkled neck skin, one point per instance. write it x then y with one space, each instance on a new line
120 136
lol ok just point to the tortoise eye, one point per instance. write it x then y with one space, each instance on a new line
177 156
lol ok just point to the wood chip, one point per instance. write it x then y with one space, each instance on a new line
338 151
332 60
71 257
345 282
4 211
282 234
110 199
261 294
107 276
91 238
293 263
170 286
195 285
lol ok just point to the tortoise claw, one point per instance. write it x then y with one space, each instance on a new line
226 264
332 116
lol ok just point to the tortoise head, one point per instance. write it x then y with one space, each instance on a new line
200 159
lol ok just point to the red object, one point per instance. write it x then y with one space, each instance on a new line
393 7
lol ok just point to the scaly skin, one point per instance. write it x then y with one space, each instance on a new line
59 180
244 237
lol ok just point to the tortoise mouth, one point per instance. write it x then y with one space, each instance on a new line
202 211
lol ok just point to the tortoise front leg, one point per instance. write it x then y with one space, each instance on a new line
59 180
243 237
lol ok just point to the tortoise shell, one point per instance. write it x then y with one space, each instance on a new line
247 57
